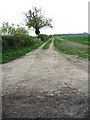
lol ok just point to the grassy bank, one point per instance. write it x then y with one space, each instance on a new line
12 54
47 45
77 39
70 50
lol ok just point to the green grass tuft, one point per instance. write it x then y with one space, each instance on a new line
46 46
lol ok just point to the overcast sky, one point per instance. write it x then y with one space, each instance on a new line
69 16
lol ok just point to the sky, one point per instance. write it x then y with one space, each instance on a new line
69 16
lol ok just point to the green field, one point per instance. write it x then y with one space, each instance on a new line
77 39
46 46
70 50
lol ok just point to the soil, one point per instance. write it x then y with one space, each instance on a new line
45 84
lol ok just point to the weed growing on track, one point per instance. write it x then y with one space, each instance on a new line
46 46
70 50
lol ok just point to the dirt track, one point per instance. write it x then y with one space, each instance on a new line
45 84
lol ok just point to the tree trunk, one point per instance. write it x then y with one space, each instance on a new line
37 31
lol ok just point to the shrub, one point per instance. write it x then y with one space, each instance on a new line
14 42
43 37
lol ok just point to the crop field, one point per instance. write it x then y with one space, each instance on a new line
62 47
84 40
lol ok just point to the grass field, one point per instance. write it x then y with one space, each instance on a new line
17 53
77 39
46 46
70 50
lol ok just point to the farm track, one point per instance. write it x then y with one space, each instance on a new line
45 84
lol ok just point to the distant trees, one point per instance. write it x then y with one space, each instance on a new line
36 19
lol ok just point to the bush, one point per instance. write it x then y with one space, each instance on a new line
6 42
10 55
14 42
43 37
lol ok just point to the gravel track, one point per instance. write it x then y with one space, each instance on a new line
45 84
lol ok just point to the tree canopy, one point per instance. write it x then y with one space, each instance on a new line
36 19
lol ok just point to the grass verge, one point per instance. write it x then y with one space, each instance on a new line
69 50
46 46
17 53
